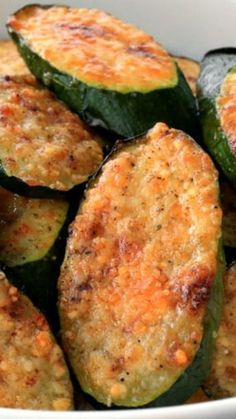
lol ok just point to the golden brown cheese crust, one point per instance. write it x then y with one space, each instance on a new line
96 48
222 381
226 104
41 141
32 368
11 63
191 70
28 227
140 261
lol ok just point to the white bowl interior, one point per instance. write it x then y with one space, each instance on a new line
188 28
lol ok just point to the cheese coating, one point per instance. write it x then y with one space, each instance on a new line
11 63
191 70
226 105
222 381
140 261
32 368
41 141
96 48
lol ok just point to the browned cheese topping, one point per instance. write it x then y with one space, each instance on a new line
222 381
140 262
191 70
11 63
41 141
33 373
96 48
226 104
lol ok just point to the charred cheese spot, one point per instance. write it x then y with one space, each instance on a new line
144 249
226 105
41 141
33 373
11 63
96 48
191 70
29 227
222 381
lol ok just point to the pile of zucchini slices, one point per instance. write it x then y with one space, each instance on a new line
111 216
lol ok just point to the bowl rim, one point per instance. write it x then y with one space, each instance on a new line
170 412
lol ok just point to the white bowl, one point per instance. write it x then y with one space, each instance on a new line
185 27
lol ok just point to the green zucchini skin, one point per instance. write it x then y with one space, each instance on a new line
126 115
38 279
198 371
214 68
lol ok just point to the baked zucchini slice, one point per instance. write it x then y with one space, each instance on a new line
221 382
217 104
11 63
33 371
191 71
111 73
32 242
45 150
139 268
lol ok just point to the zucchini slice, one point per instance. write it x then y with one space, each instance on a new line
32 243
33 371
139 268
45 150
11 63
217 104
221 382
191 71
111 73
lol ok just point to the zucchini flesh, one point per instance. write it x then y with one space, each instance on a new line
32 364
11 63
32 241
98 76
216 103
191 71
45 150
133 291
221 382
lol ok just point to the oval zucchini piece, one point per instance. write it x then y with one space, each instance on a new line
217 104
45 150
11 63
32 242
139 268
191 71
33 371
111 73
221 382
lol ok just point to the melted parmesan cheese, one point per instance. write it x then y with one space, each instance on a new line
140 262
222 381
226 105
28 227
96 48
41 141
191 70
11 63
32 368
